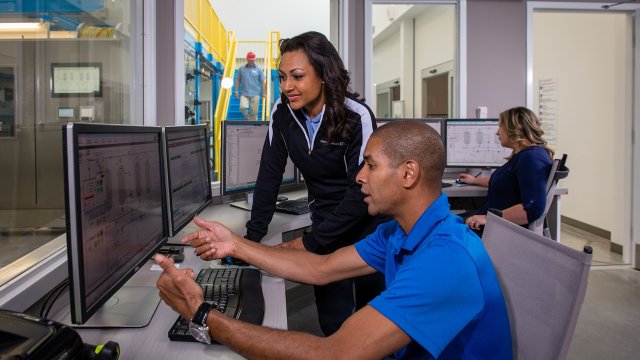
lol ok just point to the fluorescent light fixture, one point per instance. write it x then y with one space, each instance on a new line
21 26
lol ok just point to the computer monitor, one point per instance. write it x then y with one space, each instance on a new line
116 220
473 143
187 175
242 143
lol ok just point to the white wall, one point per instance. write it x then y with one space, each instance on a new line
589 55
254 19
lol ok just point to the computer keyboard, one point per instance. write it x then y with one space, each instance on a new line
295 206
445 184
235 292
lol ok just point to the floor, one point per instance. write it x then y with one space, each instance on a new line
609 321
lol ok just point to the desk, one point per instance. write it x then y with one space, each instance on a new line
553 216
152 342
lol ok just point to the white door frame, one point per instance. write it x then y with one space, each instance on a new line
629 249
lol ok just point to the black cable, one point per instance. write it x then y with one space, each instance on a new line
616 4
52 297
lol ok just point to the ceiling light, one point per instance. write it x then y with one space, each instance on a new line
21 26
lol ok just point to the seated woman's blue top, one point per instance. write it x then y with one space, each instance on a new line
522 180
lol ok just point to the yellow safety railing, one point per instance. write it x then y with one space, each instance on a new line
271 59
222 104
205 25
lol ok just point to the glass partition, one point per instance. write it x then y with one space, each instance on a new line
414 58
86 50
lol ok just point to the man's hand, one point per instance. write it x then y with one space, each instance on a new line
237 95
212 241
178 288
293 244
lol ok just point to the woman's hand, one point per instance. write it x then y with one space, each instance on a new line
467 178
212 241
476 221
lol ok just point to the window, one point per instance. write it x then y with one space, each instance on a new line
78 62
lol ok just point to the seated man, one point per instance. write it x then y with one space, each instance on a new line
443 299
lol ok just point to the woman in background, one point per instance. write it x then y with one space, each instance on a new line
517 188
323 128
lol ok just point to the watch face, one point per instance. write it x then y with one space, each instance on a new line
200 333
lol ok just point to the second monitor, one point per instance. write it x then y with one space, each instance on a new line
188 174
242 143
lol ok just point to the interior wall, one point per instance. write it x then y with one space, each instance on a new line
589 55
496 55
435 43
386 63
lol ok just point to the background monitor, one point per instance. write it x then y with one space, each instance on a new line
242 143
116 220
76 79
473 143
188 173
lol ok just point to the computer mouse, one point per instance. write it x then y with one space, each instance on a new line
458 181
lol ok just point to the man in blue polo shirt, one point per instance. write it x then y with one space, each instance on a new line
250 85
443 299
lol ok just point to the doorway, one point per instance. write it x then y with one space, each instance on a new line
438 91
581 85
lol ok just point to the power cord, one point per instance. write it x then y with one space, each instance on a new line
52 297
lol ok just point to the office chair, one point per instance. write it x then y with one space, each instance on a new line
544 284
559 170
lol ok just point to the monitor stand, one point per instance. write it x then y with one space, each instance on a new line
242 204
130 307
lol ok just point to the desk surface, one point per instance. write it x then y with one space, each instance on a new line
152 342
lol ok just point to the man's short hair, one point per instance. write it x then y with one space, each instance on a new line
404 140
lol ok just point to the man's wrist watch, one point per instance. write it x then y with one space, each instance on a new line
198 325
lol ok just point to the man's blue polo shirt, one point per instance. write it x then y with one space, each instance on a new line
442 289
251 78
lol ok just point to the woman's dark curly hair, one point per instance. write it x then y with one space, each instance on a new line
329 66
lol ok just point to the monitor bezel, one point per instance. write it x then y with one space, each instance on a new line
466 165
81 312
223 169
172 229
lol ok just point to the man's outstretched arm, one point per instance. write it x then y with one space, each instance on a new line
367 334
215 241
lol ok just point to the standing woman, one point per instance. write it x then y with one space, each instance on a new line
517 188
323 128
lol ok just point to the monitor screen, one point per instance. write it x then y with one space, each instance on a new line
474 143
242 143
188 173
115 211
71 79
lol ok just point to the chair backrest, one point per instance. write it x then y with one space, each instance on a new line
543 282
538 225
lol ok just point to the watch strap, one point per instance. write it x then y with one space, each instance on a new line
200 317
